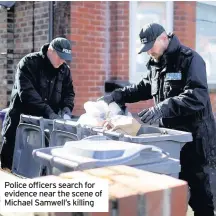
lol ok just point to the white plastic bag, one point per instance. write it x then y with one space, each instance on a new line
98 112
87 119
96 109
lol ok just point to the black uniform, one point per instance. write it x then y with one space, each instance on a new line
39 90
178 85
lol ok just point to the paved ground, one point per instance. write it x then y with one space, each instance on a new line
190 213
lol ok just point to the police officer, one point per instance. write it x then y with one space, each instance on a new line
177 82
43 87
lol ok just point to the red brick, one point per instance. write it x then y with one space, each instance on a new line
87 29
135 191
184 26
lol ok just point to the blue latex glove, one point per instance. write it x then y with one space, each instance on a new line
65 111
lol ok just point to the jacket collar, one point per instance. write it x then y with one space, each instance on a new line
174 45
170 53
43 50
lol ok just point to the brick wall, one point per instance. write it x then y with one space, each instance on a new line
28 37
10 51
117 22
24 29
119 31
61 19
18 36
119 40
41 24
184 22
185 28
213 102
99 32
100 36
89 38
3 57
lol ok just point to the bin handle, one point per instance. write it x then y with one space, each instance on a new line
43 155
93 137
107 162
29 119
162 151
106 132
134 154
96 129
121 160
64 162
107 138
113 133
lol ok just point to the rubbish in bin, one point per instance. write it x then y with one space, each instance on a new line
123 124
98 112
95 113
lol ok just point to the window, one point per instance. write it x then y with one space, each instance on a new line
141 13
206 37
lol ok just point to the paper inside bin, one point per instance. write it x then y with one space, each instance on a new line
123 124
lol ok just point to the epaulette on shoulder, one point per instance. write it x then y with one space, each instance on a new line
186 51
148 64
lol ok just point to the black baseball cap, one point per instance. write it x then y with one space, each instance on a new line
149 34
63 48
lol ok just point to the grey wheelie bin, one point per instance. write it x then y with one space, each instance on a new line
30 135
169 140
94 152
34 133
72 127
64 131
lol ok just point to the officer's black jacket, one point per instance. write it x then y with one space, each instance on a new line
39 89
178 86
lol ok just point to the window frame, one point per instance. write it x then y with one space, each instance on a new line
208 2
211 85
133 36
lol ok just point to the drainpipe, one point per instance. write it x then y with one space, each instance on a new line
50 20
33 26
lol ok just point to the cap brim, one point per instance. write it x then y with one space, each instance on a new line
64 56
147 47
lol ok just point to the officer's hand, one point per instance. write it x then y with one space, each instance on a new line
66 117
65 111
54 116
150 115
107 99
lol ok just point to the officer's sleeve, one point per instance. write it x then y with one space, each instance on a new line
134 93
68 91
26 82
195 95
